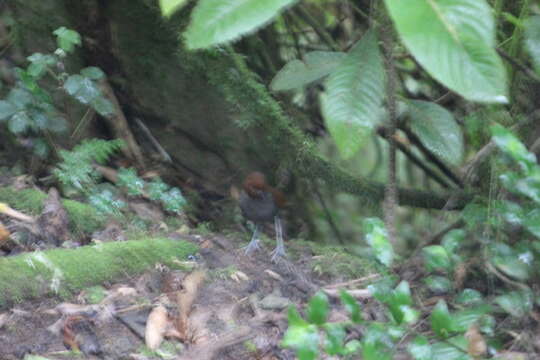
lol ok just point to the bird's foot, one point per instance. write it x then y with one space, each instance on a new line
252 246
278 253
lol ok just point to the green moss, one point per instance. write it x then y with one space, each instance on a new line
334 261
95 294
70 270
82 217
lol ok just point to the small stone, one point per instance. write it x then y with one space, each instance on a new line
274 302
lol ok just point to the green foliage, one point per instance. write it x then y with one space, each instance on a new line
171 198
105 202
441 320
169 7
306 337
128 179
516 303
218 21
76 169
437 130
67 39
354 91
532 40
84 88
420 349
29 109
436 258
351 305
314 66
521 176
318 309
454 41
377 239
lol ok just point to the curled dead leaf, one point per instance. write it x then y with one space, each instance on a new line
4 234
460 273
477 344
3 319
5 209
239 276
185 299
234 192
274 275
156 326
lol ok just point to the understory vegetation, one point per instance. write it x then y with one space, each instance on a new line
404 135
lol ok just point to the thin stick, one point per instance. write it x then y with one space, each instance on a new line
432 157
166 157
327 214
390 191
353 282
414 159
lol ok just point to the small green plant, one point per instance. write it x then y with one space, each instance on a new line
29 110
76 169
77 173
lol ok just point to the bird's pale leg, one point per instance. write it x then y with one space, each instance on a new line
254 243
279 251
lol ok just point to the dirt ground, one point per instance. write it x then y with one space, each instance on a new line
237 312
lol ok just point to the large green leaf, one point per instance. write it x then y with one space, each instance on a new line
93 73
516 303
301 336
218 21
436 259
6 109
39 64
437 130
454 41
442 322
532 40
19 122
169 7
297 73
465 318
82 88
352 102
350 303
335 335
511 261
420 349
67 39
445 351
377 238
317 310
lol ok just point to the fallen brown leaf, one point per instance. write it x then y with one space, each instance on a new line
5 209
477 345
4 234
185 299
156 326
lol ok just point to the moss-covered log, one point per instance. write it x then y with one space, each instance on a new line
83 219
64 271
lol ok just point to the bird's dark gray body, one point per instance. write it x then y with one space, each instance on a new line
258 209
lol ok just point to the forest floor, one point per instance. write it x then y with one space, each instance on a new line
222 305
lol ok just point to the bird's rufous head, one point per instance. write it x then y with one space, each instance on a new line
255 184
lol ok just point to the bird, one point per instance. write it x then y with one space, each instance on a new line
260 203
